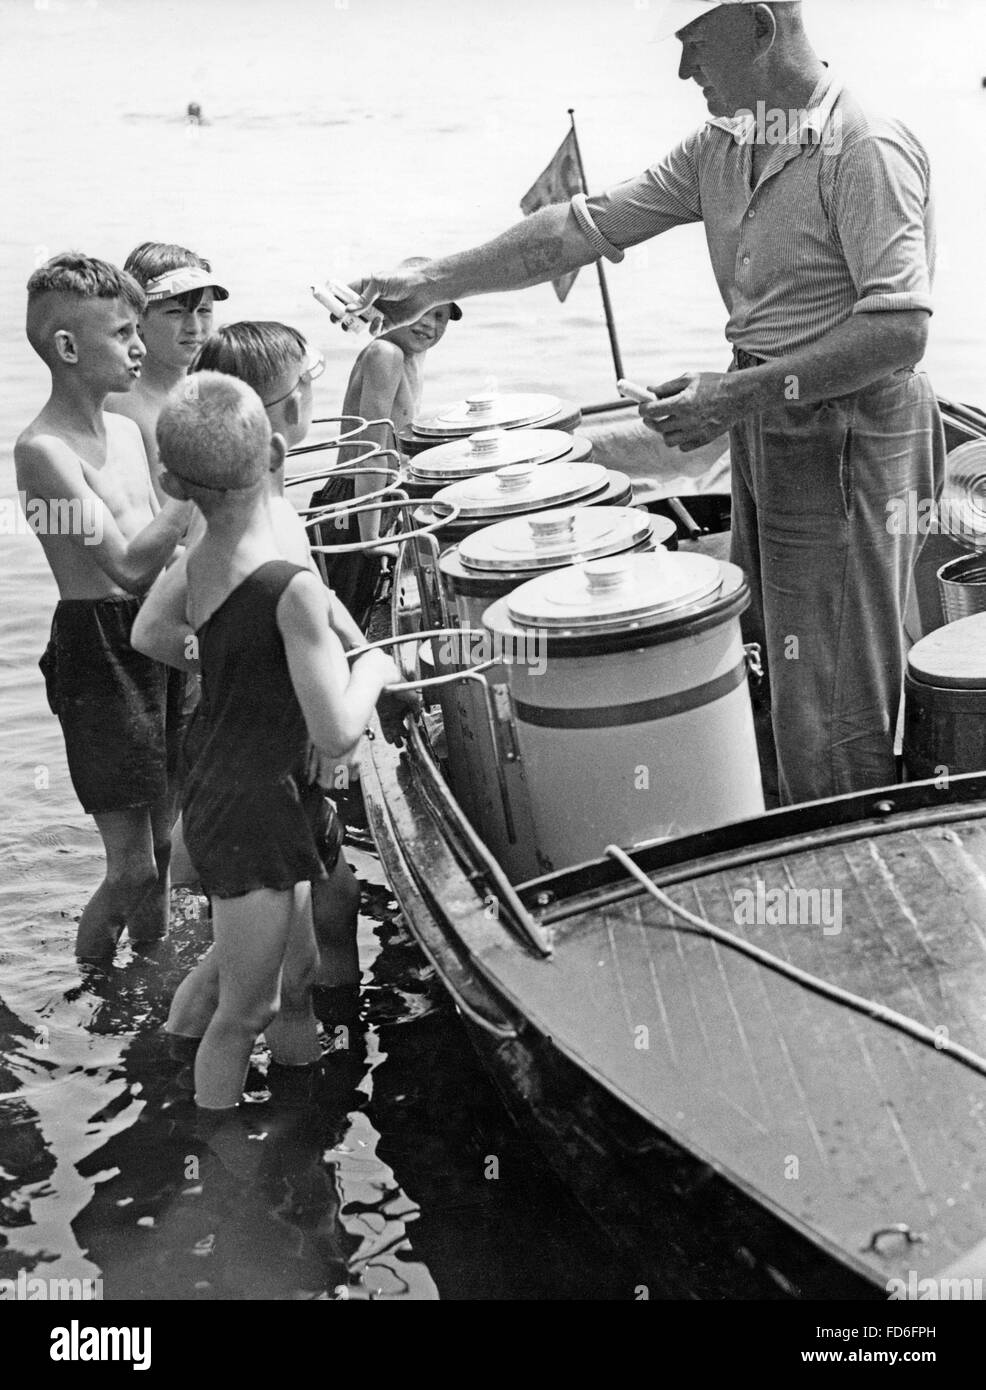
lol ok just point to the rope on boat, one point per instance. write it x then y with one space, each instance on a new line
870 1008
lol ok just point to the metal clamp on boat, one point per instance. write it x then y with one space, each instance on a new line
504 890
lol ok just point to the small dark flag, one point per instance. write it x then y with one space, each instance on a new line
556 184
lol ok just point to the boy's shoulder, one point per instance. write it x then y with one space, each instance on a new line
382 353
42 443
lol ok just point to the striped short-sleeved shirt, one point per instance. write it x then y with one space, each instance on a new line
841 222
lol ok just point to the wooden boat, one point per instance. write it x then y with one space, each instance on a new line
737 1132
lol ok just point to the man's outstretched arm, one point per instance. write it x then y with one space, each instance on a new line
542 247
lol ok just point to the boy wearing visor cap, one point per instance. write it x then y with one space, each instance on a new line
181 290
819 219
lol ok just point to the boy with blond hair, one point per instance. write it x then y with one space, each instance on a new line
82 317
273 359
245 823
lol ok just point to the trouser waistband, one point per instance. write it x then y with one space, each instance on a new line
744 359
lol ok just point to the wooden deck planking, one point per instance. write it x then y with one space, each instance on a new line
738 1056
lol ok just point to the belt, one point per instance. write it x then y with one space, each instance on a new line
744 359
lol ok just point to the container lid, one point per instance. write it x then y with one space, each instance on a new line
954 656
962 507
521 487
616 593
488 450
546 540
487 410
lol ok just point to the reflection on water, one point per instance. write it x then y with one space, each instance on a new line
372 1185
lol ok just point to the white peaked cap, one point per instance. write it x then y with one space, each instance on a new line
678 14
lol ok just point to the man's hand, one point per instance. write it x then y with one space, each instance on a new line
399 298
696 408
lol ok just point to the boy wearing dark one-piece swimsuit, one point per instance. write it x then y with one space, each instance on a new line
85 473
274 678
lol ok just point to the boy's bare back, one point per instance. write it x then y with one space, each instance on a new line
104 496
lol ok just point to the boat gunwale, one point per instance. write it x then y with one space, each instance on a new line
791 830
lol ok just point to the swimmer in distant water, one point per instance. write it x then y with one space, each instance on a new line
386 383
82 317
181 291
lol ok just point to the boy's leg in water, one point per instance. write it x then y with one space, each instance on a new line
148 922
293 1034
131 874
335 908
196 1000
183 873
251 934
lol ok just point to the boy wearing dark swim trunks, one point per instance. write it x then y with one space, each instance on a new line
81 465
274 680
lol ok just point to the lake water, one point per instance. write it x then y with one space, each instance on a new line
343 137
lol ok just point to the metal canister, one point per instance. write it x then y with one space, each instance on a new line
515 490
486 778
945 701
487 451
487 410
629 701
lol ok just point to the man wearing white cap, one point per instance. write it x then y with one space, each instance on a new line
820 225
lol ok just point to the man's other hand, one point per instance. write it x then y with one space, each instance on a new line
694 409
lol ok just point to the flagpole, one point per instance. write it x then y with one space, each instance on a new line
614 343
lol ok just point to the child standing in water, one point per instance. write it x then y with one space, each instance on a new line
276 362
176 321
253 614
82 317
386 383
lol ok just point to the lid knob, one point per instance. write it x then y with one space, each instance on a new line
487 442
482 403
606 576
514 476
552 527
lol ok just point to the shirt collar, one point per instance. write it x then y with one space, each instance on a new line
814 119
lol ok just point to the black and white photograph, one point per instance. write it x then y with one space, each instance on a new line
493 662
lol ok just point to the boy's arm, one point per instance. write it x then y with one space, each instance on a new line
336 714
383 368
48 469
341 621
161 629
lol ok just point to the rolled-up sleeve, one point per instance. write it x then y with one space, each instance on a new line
664 196
881 205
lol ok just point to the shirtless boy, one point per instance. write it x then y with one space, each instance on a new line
274 680
176 321
387 381
82 317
